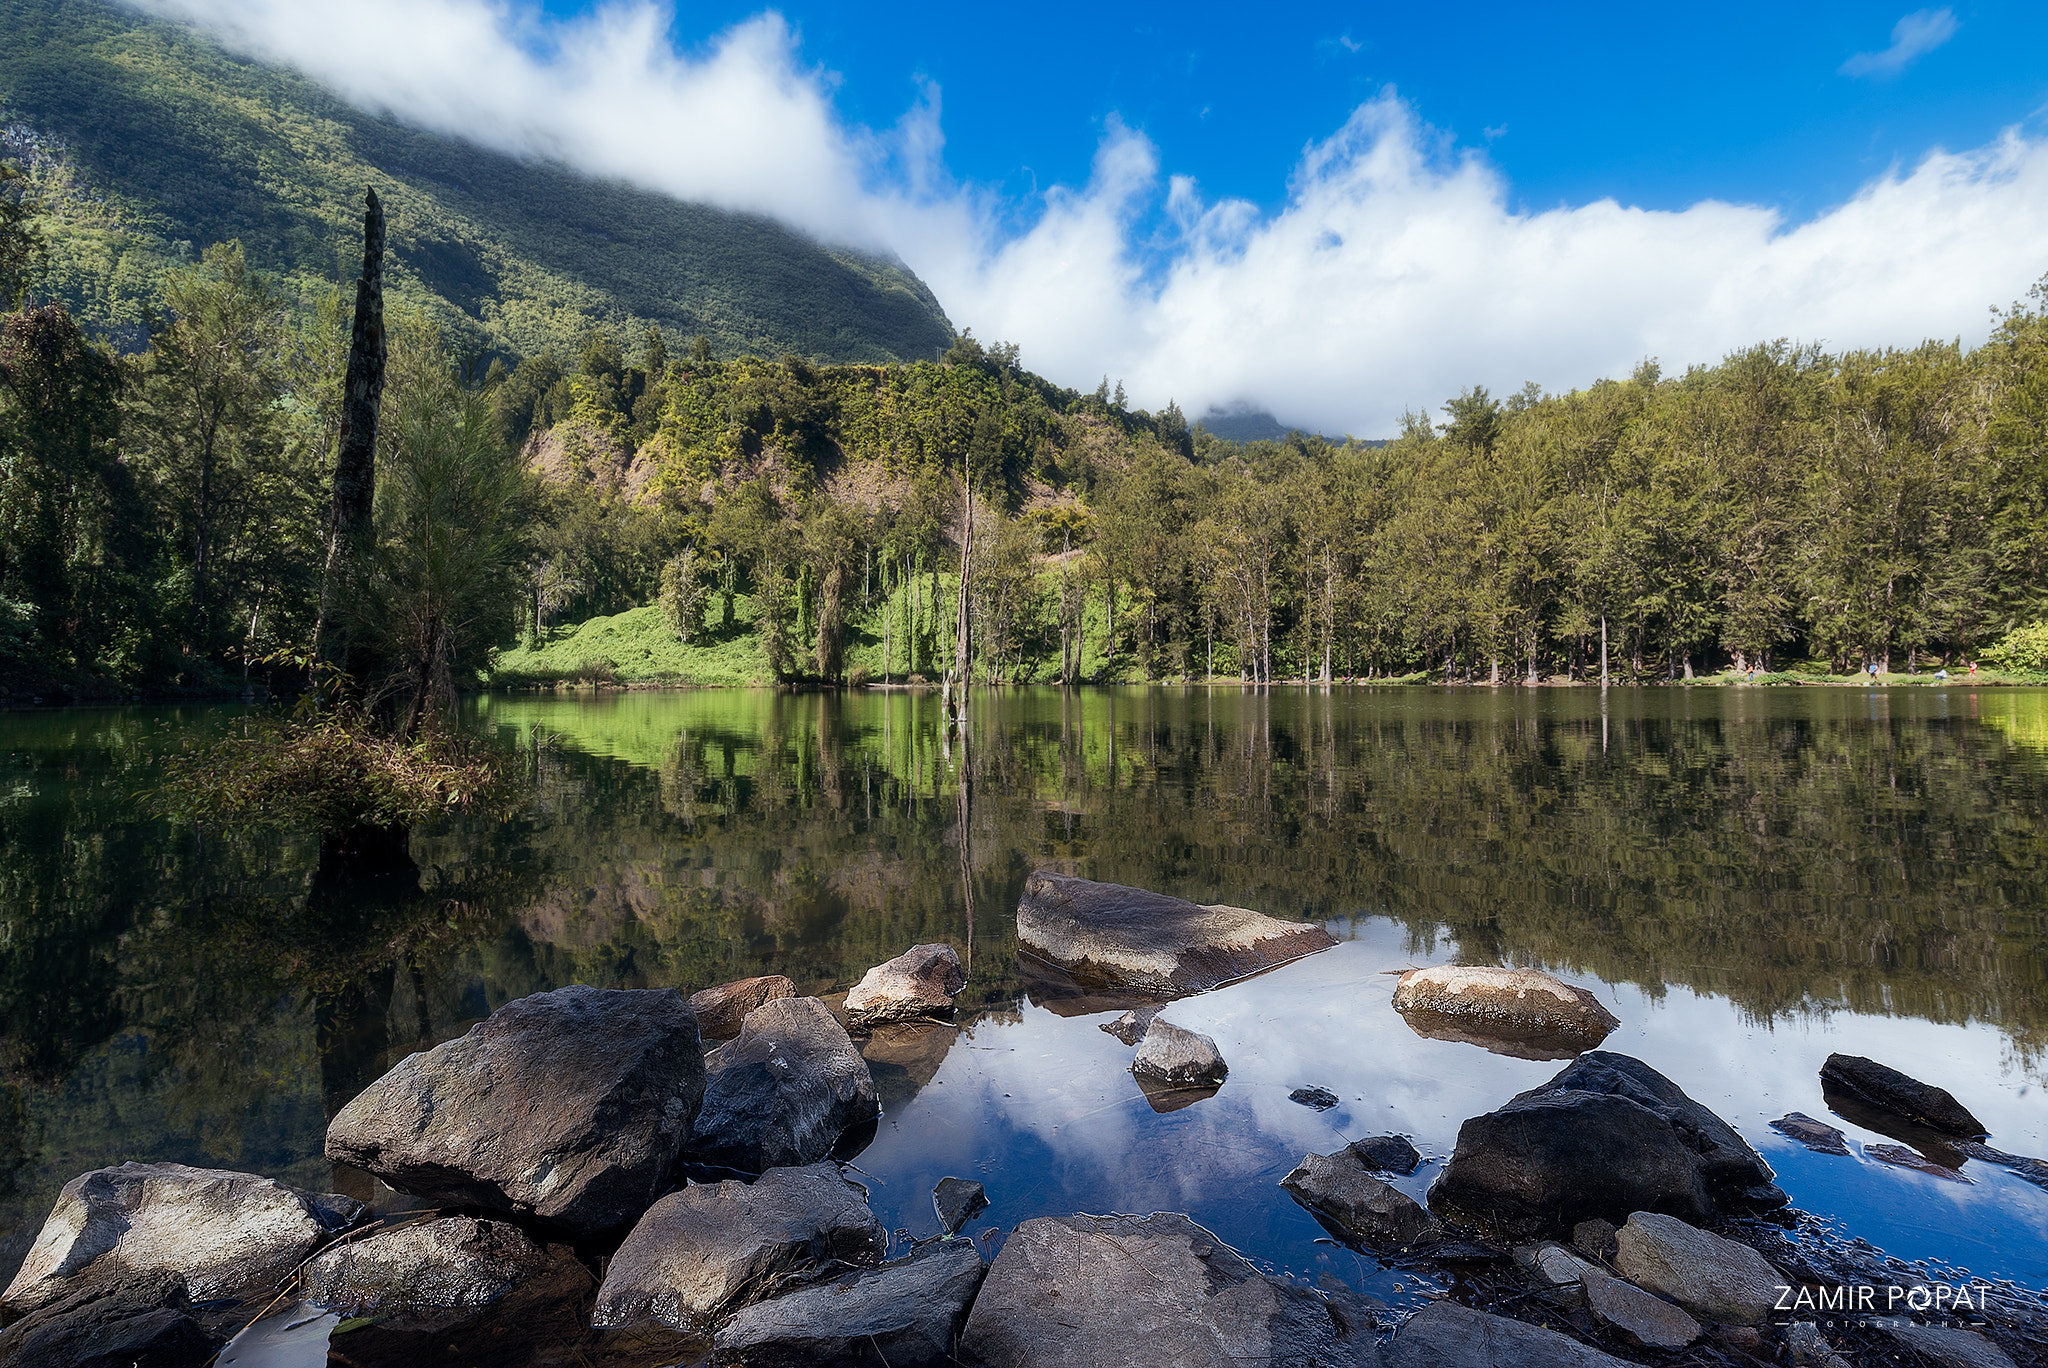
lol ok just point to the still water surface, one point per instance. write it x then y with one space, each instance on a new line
1750 879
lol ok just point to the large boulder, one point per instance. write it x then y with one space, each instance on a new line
570 1107
1702 1272
703 1250
722 1008
1521 1012
1340 1188
1106 935
782 1092
908 1313
1900 1094
1150 1290
139 1318
446 1270
222 1232
1609 1135
1179 1058
920 982
1447 1335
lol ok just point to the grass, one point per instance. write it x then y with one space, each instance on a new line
638 647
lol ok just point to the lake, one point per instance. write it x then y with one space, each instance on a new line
1748 878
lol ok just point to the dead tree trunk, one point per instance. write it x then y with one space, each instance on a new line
355 460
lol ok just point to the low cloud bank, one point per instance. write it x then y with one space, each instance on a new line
1397 272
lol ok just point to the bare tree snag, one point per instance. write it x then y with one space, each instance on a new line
355 460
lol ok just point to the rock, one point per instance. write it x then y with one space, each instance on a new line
1321 1099
570 1107
459 1265
1108 935
907 1313
782 1092
1503 1008
141 1318
920 982
1339 1188
1818 1136
702 1250
2033 1170
1145 1291
1180 1058
1594 1239
1130 1027
1607 1136
1447 1335
1641 1318
1947 1346
1898 1156
1387 1154
956 1200
222 1232
1889 1090
1552 1265
720 1010
1809 1349
1704 1273
1163 1097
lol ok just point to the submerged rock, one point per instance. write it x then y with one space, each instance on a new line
569 1106
1447 1335
907 1313
1898 1156
2033 1170
1163 1097
782 1092
720 1010
1387 1154
1900 1094
1640 1318
702 1250
956 1200
920 982
447 1270
138 1318
1321 1099
1817 1136
1607 1136
1522 1012
1339 1188
1702 1272
1179 1057
221 1232
1139 1291
1109 935
1130 1028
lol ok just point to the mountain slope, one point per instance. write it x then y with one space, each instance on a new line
146 142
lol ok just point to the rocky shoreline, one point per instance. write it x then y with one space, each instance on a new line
632 1177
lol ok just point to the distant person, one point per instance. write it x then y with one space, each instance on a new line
1973 669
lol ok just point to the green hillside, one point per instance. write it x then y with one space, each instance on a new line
146 142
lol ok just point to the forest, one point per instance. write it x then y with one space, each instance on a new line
163 514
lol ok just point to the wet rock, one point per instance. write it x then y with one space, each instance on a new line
1817 1136
439 1269
907 1313
1447 1335
1130 1027
1641 1318
720 1010
1947 1346
2033 1170
1339 1188
141 1318
1179 1058
1140 1291
1113 936
1322 1099
222 1232
1594 1239
569 1106
1902 1095
956 1200
920 982
1523 1012
782 1092
1607 1136
1809 1349
1702 1272
702 1250
1898 1156
1387 1154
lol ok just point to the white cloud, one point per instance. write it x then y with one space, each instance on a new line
1396 272
1916 35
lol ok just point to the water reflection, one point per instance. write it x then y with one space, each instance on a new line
1749 878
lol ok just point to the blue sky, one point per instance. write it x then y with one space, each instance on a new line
1336 213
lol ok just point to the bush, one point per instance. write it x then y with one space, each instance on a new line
2023 648
859 677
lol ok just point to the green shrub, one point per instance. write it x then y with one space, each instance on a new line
2023 648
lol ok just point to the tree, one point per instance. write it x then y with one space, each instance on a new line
355 458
